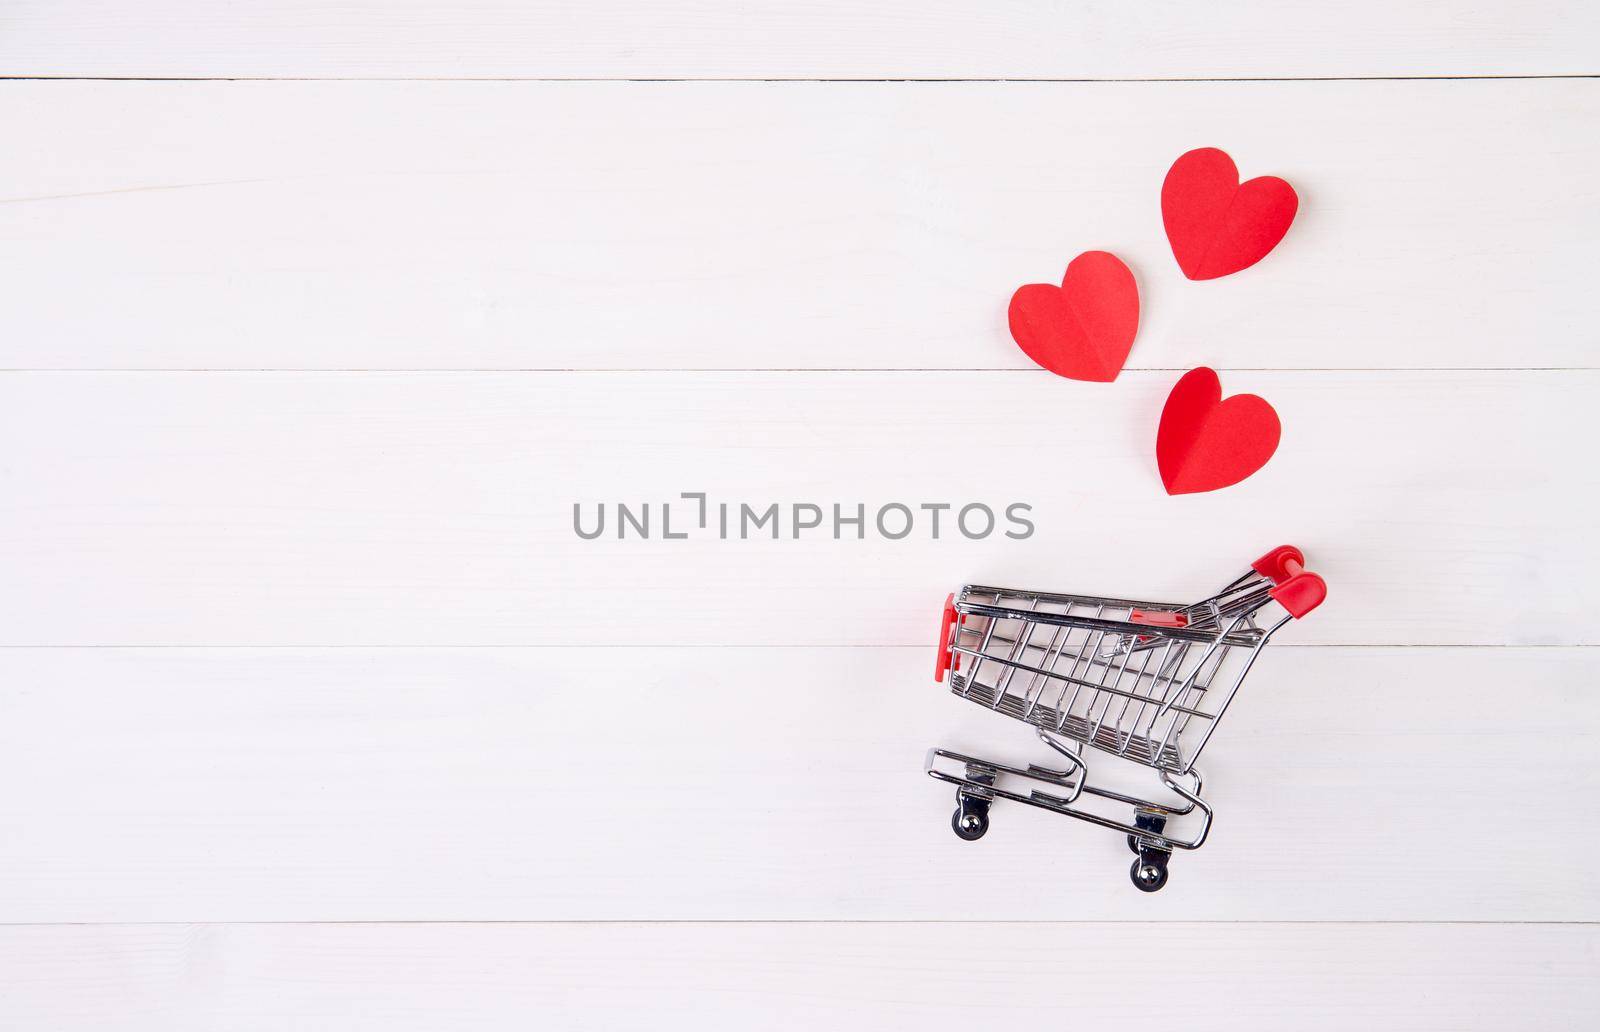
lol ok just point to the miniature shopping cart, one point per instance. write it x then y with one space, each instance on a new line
1144 681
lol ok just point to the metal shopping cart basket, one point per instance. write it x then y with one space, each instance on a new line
1144 681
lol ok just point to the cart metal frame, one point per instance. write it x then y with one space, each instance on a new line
1147 682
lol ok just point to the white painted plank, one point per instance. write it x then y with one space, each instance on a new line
432 508
394 978
753 784
830 39
762 225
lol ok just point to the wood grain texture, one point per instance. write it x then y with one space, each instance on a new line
1394 822
394 978
775 226
437 509
225 785
831 39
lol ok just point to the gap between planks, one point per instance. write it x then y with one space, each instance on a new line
1545 647
859 80
694 370
625 922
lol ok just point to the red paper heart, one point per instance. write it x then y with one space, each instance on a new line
1084 328
1216 225
1204 442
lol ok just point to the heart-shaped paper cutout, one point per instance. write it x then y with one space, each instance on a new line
1217 225
1084 328
1205 442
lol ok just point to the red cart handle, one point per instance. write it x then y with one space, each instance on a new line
1294 587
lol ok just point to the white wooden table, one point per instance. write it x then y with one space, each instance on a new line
317 319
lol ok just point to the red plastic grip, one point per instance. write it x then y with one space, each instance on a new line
1294 587
1280 564
947 660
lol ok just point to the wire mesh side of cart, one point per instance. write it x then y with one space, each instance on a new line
1146 681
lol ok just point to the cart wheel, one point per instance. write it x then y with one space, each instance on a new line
1133 844
969 825
1148 877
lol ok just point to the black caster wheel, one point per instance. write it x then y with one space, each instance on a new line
1133 844
969 824
1148 877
